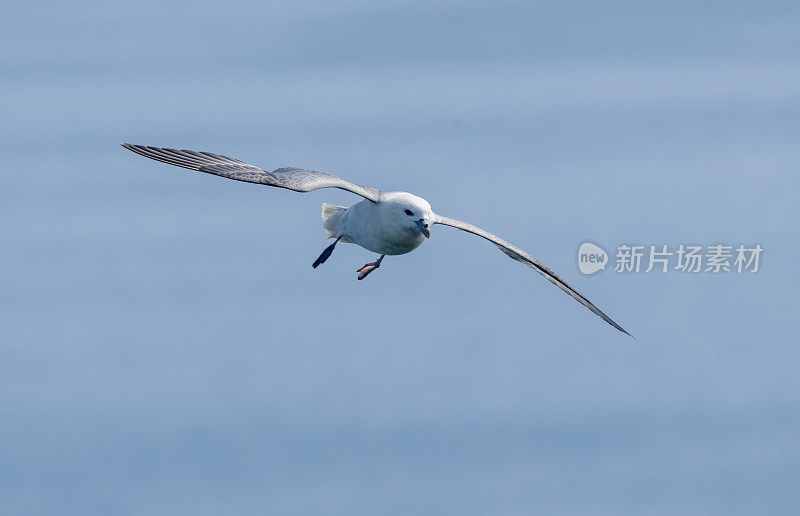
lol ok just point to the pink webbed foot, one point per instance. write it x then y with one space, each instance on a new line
364 271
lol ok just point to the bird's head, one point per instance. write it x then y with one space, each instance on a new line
410 212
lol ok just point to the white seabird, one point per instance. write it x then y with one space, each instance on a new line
387 223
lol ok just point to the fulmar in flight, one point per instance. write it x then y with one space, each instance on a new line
387 223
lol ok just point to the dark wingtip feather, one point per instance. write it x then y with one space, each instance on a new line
617 326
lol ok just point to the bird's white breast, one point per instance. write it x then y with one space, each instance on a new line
367 224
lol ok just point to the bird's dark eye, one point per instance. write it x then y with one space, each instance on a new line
409 213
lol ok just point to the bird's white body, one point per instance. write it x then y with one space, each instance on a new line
383 227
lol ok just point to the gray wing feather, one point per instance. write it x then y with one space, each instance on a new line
297 179
521 256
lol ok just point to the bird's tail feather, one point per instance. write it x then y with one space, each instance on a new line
331 217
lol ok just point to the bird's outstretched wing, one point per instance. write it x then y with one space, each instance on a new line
297 179
521 256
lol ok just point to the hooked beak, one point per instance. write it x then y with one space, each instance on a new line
423 227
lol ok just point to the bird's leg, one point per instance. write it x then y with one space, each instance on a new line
365 270
325 255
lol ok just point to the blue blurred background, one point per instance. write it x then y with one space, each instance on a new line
167 348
